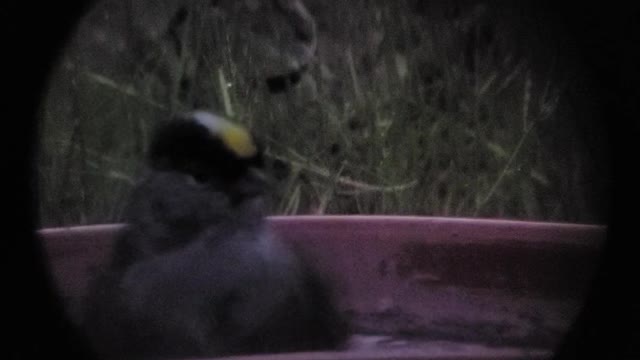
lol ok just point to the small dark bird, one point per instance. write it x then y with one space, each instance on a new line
195 273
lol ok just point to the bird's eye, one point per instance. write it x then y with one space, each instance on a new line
200 176
197 177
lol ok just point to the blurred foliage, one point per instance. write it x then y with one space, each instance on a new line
408 109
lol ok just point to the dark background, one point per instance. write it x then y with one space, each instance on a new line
464 108
33 34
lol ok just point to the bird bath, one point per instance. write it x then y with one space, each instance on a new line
414 287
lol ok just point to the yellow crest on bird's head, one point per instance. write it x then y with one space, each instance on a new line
235 137
238 140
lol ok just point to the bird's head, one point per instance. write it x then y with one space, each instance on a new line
213 150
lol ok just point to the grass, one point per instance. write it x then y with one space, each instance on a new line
402 113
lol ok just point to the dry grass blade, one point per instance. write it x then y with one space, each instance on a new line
358 186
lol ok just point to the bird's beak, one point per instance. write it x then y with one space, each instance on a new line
255 182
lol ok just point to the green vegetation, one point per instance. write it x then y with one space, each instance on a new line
403 113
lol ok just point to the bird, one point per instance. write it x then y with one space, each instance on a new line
195 272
